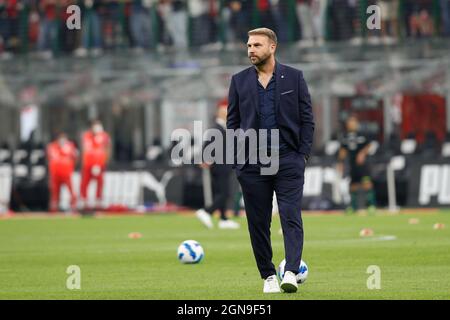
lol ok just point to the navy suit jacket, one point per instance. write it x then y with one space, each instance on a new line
292 106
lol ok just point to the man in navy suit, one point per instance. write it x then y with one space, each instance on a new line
272 97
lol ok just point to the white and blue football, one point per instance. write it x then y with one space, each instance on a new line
302 274
190 251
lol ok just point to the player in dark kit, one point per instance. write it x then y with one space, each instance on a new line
220 179
356 147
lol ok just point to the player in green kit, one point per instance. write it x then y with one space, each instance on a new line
356 147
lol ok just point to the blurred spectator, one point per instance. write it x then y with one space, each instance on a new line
237 15
420 20
311 15
354 9
203 15
62 156
9 24
445 16
68 38
389 18
33 27
141 24
213 20
318 11
305 20
174 15
279 15
341 19
48 27
112 24
199 20
91 34
265 13
4 26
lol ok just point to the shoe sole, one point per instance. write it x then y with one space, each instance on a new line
289 287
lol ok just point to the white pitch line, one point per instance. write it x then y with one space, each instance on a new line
383 238
373 238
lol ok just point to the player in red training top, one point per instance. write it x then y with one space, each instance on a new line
96 150
62 156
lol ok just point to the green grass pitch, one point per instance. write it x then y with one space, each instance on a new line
35 254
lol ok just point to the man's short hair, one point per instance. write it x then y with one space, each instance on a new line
264 32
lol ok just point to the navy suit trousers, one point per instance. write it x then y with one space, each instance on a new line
258 191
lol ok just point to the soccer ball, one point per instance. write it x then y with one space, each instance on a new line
302 271
190 251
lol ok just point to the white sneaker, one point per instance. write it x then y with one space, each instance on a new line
228 224
289 283
205 218
271 285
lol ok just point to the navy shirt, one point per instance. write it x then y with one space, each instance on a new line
267 114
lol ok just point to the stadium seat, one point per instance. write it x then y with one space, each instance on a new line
5 156
331 147
37 157
408 146
20 156
430 147
393 144
445 151
38 172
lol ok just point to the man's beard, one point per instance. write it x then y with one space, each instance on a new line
260 62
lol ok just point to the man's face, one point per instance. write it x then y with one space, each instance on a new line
97 127
62 139
260 49
352 124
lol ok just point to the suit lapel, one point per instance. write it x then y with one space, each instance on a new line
279 81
